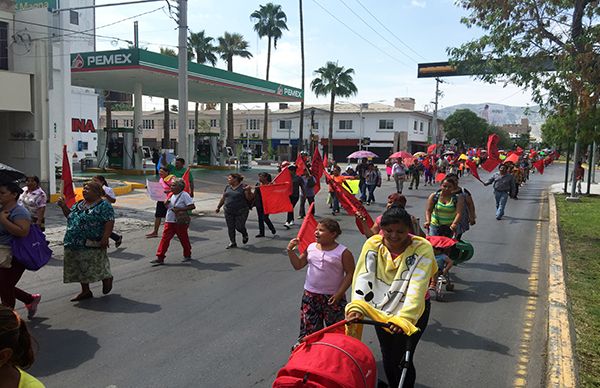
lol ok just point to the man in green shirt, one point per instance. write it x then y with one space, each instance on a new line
179 169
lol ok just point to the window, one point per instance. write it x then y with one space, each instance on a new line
345 125
74 16
252 124
173 124
214 123
285 124
82 145
315 125
114 123
386 124
421 127
191 124
148 124
415 126
3 46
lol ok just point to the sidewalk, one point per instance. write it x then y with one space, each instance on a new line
558 188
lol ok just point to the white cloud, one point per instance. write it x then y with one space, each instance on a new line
418 3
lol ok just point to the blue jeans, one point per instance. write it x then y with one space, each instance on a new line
440 230
501 199
371 189
362 186
335 203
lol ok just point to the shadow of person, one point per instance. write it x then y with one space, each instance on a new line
265 250
482 292
199 265
500 267
115 303
60 349
120 253
453 338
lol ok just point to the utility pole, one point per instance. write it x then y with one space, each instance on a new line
301 125
434 124
183 82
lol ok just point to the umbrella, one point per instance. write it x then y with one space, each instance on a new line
462 157
420 154
400 155
9 174
449 153
362 154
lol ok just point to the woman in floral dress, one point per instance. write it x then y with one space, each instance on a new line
89 225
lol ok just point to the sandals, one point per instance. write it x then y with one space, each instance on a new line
83 296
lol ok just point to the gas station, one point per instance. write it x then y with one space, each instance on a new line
141 72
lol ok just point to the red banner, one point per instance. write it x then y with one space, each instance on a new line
349 203
186 179
67 180
300 165
285 176
490 164
275 198
316 169
306 234
431 149
473 168
492 146
539 165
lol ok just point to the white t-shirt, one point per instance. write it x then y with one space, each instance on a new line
398 169
109 192
182 199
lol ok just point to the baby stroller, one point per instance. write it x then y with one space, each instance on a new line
460 251
329 358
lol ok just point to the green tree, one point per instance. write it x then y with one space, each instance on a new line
505 142
200 47
521 38
270 22
232 45
335 81
465 126
166 112
522 141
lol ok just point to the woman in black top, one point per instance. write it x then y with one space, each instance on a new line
236 199
264 178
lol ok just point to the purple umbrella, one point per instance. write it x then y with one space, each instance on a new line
362 154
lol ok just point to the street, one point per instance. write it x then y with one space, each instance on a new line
229 318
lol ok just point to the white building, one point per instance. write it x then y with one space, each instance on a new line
46 110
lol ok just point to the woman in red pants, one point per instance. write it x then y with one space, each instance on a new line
177 222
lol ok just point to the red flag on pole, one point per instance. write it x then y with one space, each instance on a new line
316 169
539 165
325 162
492 146
473 168
276 198
186 179
431 149
490 164
350 203
306 234
285 176
440 177
67 180
300 165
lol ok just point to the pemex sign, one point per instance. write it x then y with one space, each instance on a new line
104 59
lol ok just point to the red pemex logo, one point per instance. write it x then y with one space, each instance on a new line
77 62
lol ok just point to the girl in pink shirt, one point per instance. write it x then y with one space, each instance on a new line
329 274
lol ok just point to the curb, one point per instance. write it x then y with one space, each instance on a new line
560 359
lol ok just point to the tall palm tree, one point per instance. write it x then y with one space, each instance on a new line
201 48
301 129
337 81
232 45
270 21
166 113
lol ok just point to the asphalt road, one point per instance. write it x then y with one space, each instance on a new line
228 319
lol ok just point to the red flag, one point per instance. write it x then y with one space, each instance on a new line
426 163
539 165
519 151
276 198
349 203
492 146
300 165
285 176
316 169
431 149
325 162
512 158
490 164
473 168
186 179
306 234
67 180
440 177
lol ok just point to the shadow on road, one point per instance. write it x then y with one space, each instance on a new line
115 303
265 250
60 349
501 267
516 220
199 265
483 292
449 337
120 253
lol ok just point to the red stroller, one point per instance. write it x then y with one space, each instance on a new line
331 359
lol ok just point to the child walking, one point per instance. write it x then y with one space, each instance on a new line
329 275
16 351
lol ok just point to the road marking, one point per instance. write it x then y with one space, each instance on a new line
530 308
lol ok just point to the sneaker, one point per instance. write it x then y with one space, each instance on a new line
300 217
157 261
259 235
274 234
32 307
186 259
245 239
287 226
231 245
119 242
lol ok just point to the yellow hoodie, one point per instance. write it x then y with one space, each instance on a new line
392 289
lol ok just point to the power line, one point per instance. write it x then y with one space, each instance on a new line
377 32
360 36
388 30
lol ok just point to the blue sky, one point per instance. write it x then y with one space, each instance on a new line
385 62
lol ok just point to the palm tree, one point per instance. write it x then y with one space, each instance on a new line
270 21
166 114
337 81
231 45
200 47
